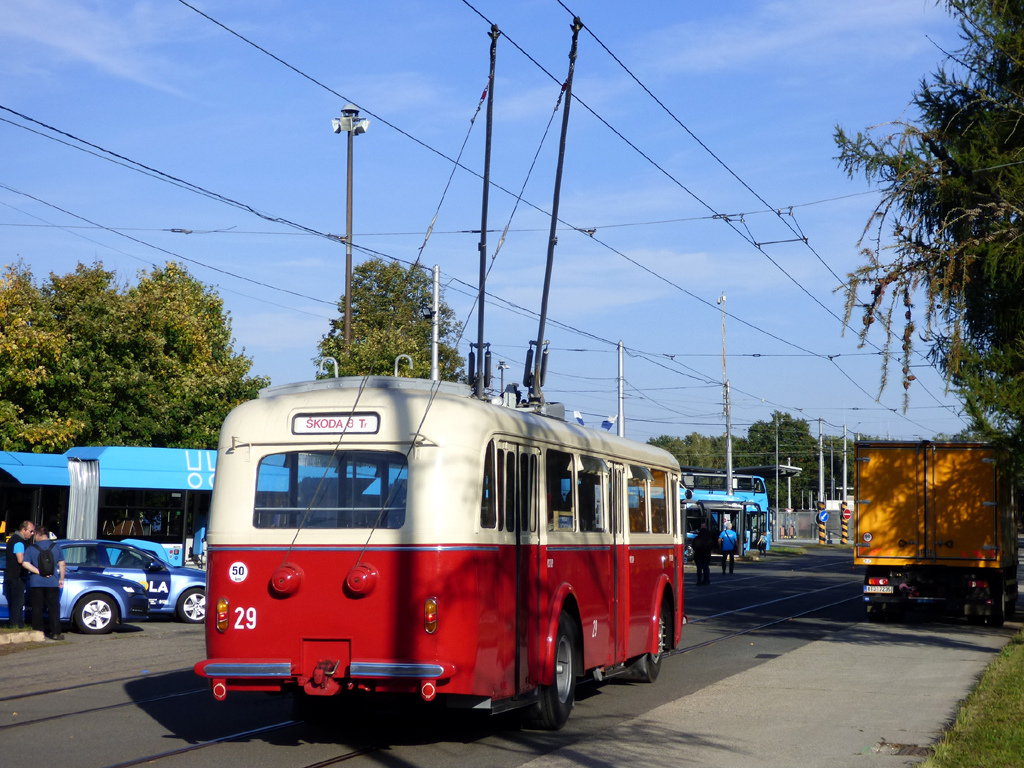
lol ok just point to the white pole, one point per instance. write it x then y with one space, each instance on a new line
846 497
435 322
821 463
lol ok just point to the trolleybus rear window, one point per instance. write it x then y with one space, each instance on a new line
321 489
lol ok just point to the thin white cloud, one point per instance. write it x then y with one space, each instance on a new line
802 30
114 38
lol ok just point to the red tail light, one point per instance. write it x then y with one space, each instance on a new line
977 584
878 581
222 614
430 615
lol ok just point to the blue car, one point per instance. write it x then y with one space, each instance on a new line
173 589
94 603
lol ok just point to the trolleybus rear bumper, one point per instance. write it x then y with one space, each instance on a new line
274 674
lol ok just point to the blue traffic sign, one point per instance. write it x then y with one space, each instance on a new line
823 515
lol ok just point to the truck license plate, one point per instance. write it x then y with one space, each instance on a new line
878 590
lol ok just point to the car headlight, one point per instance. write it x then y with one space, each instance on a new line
130 590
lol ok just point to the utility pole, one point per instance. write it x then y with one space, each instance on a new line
728 409
776 419
480 376
621 420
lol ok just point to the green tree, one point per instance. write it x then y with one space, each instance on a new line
948 230
30 351
152 364
390 317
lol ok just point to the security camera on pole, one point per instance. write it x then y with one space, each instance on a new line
353 125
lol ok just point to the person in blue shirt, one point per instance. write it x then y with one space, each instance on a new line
45 589
14 574
728 542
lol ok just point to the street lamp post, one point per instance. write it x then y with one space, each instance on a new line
353 125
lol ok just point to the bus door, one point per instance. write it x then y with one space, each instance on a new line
519 593
620 592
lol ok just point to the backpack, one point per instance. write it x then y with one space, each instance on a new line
47 565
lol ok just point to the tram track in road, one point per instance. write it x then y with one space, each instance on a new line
91 710
772 623
350 755
77 686
767 602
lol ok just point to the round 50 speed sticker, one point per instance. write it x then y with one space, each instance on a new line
238 572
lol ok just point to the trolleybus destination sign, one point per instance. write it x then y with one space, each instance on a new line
335 423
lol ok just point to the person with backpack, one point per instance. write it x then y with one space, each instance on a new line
703 544
44 560
15 574
728 541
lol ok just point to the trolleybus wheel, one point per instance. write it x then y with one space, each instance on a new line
191 606
95 615
648 666
557 700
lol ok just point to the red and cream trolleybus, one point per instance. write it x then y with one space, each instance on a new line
399 535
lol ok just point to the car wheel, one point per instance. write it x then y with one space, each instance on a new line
95 615
192 606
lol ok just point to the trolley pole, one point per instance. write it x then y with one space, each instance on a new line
621 420
435 326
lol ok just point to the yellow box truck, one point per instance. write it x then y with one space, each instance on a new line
935 525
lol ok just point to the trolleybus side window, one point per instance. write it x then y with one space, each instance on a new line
659 503
510 490
558 467
590 490
488 507
526 521
636 487
325 489
499 487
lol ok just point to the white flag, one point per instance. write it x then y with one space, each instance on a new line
579 417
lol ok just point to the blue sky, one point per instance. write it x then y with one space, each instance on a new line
761 84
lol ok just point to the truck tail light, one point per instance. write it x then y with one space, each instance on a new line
977 584
223 609
878 581
430 615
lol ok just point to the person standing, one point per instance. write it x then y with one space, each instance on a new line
15 574
44 560
703 544
728 541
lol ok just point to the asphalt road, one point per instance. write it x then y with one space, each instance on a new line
131 697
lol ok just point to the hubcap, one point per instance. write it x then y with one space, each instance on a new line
96 614
563 668
195 607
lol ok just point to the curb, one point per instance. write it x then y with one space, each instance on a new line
28 636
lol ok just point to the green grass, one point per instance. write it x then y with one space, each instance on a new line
778 549
988 732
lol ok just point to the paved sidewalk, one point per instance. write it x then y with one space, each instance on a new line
871 695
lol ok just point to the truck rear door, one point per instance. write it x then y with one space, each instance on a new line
890 494
962 503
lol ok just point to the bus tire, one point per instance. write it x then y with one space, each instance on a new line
191 607
648 666
552 711
95 614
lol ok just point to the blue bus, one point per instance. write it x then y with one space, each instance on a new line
706 500
157 498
